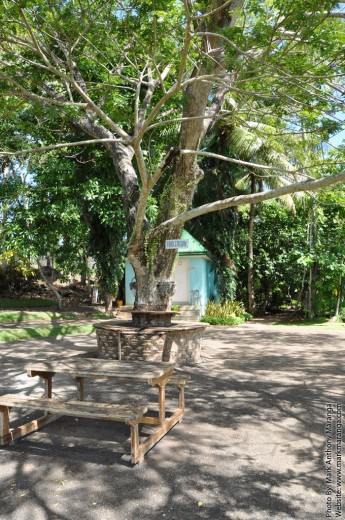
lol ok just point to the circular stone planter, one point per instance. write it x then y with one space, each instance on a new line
178 343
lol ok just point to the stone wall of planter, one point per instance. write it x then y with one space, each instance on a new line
180 343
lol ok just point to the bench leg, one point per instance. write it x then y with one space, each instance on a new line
9 435
136 456
160 432
4 424
181 400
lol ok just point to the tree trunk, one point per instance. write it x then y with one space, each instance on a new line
3 208
53 289
94 295
153 287
251 293
267 298
311 291
108 299
337 308
85 275
312 240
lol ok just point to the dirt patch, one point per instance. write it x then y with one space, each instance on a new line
280 318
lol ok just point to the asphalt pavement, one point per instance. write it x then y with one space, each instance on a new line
252 444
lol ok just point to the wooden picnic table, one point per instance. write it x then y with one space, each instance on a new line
154 374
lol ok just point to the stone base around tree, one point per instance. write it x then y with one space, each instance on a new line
179 343
149 319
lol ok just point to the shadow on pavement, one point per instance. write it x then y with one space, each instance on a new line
251 445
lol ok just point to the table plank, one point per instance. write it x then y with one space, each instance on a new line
93 367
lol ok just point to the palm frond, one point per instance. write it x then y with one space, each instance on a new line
243 143
289 202
242 183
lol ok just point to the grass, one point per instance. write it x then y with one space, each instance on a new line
43 331
316 322
30 316
20 316
23 303
327 324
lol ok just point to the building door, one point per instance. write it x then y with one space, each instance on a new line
181 278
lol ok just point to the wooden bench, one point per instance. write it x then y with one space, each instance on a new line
53 408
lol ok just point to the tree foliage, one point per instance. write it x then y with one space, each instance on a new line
122 74
302 265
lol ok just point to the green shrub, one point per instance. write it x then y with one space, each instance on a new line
341 315
225 313
227 320
224 309
175 307
16 273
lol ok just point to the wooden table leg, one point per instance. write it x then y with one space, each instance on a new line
161 383
80 388
48 385
161 401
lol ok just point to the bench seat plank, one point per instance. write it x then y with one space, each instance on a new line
177 379
117 412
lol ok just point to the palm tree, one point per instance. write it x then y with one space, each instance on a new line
250 142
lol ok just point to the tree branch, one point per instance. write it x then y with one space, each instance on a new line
74 79
213 12
175 88
41 149
232 160
327 14
311 185
181 119
170 156
137 112
30 95
141 166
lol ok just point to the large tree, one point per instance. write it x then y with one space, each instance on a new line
123 72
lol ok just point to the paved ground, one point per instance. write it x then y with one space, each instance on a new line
251 446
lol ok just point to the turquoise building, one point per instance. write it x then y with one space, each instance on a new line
193 274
